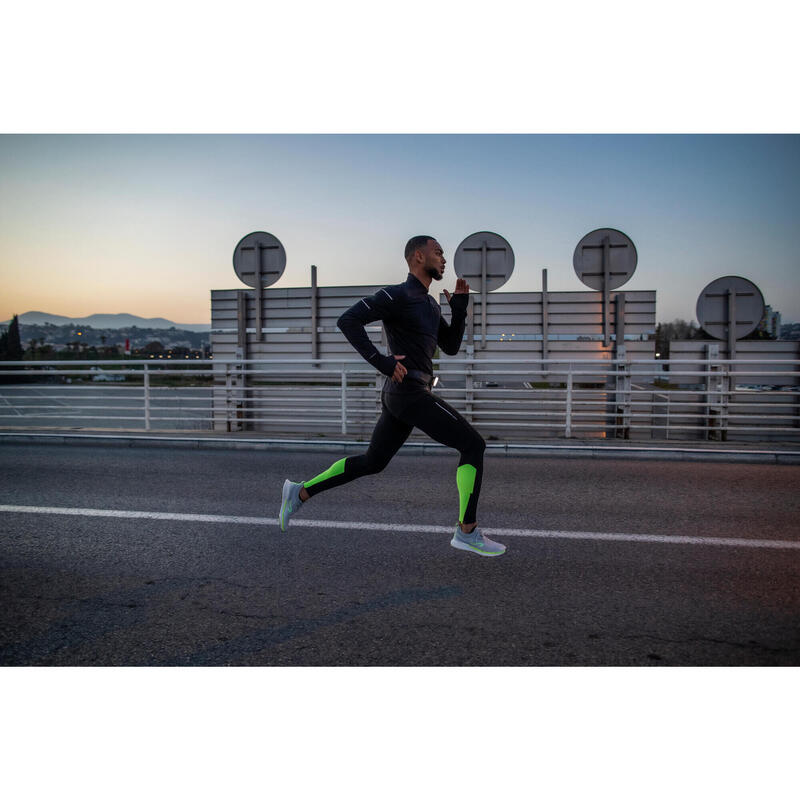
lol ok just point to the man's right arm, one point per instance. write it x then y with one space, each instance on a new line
379 306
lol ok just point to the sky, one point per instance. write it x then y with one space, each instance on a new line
147 224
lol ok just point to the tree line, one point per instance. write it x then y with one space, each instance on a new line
36 342
681 329
10 344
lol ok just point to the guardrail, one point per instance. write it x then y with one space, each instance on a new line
97 394
506 399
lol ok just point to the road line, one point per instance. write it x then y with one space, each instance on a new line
719 541
47 396
8 403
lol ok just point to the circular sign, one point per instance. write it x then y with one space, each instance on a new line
712 306
259 257
597 248
484 250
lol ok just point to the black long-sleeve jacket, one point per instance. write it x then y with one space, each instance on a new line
413 323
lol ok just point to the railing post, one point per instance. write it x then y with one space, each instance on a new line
568 428
725 390
228 399
243 395
344 401
713 390
622 396
146 398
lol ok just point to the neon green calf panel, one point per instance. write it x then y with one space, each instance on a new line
465 480
332 471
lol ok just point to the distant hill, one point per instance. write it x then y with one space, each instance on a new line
106 321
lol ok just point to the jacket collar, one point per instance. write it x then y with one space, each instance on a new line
414 285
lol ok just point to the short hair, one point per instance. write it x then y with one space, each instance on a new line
415 242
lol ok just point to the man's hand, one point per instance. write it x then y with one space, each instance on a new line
399 370
462 287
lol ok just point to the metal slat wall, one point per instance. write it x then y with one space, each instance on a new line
569 313
756 403
574 324
287 327
763 350
514 324
515 330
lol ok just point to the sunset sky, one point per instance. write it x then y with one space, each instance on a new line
146 224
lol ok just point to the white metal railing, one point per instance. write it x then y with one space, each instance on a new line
507 399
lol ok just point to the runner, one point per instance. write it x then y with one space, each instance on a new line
414 328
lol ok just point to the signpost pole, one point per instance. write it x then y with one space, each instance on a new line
471 322
728 380
604 279
623 378
545 342
314 316
259 294
471 262
483 296
731 323
241 325
606 269
262 274
730 308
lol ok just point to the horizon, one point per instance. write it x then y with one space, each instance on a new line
96 314
149 222
197 325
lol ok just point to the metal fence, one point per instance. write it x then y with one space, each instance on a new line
144 395
514 400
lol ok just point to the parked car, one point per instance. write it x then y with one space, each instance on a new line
105 376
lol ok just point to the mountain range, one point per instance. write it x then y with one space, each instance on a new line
106 321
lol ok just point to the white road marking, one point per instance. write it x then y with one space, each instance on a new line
8 403
47 396
720 541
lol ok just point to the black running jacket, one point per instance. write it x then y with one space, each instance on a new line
413 323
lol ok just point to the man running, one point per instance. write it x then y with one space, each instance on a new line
414 328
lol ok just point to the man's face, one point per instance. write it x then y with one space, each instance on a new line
434 259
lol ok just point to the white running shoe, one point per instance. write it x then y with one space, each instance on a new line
290 502
476 542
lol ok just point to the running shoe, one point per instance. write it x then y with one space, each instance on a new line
477 543
290 502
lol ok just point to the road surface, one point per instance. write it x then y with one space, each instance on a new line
608 563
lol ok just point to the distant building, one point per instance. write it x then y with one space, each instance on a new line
771 323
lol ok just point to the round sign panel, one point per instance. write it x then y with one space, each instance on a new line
259 256
593 250
492 248
712 306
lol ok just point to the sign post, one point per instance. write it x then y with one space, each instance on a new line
259 260
730 308
486 259
604 260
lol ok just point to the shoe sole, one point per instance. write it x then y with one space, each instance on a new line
284 501
462 546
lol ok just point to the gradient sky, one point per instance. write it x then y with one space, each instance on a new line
147 224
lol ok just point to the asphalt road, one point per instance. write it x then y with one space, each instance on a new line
113 590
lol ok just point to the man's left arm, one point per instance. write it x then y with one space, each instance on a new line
450 336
